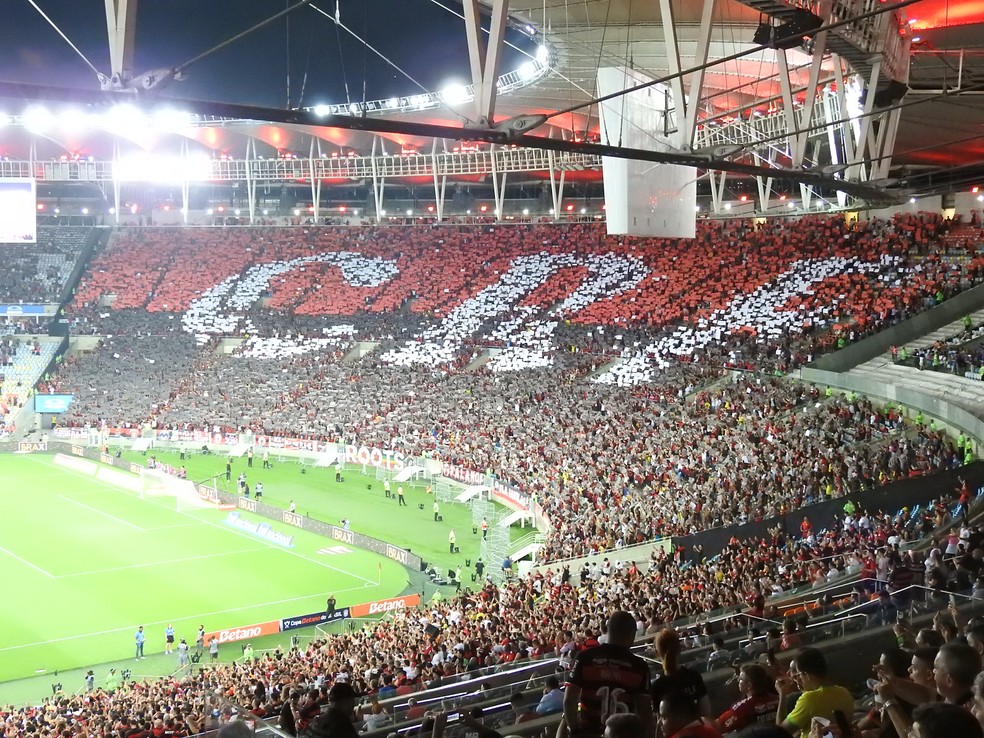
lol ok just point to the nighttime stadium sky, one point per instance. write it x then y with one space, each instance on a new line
423 39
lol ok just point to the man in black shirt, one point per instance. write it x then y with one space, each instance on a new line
606 680
338 721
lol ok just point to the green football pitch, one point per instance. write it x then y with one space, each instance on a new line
86 562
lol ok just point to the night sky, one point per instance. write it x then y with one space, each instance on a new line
423 39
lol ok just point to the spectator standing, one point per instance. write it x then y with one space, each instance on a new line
139 639
608 679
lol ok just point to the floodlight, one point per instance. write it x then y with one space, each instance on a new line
57 211
210 212
912 200
169 119
37 119
583 211
133 210
112 211
124 118
236 211
393 102
297 211
696 208
85 211
72 121
542 54
980 198
355 212
792 205
354 109
455 93
266 212
727 206
526 211
527 71
321 110
409 211
382 212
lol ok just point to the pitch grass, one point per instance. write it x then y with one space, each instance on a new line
85 563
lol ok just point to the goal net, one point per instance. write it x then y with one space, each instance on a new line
155 484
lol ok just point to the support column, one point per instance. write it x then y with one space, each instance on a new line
556 185
378 182
485 60
440 182
121 27
688 127
250 179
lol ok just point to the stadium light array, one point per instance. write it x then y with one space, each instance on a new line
37 119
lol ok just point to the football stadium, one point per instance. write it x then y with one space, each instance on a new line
628 384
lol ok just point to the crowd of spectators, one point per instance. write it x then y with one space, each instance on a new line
611 466
39 273
559 614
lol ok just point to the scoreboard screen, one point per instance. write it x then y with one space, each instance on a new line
18 211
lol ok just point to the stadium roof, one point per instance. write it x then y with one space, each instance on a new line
939 141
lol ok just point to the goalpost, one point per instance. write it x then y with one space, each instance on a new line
155 484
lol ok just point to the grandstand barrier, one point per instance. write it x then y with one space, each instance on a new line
271 627
903 493
947 312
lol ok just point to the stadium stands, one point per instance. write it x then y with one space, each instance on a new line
693 448
39 273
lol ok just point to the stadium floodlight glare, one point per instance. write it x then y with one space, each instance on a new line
354 109
382 212
696 208
527 71
455 93
210 212
583 211
792 206
57 211
145 167
526 211
322 110
72 121
124 119
133 210
727 206
38 119
112 211
85 211
542 54
409 211
980 198
355 212
912 200
4 119
236 212
266 212
169 119
297 211
393 102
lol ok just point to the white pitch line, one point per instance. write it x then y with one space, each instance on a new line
28 563
199 616
244 534
161 563
102 512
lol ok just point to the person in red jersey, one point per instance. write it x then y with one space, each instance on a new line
608 679
758 703
678 718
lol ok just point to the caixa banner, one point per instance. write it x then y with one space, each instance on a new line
315 618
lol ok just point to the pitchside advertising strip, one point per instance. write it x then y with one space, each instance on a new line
366 609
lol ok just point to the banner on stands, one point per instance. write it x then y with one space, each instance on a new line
381 607
315 618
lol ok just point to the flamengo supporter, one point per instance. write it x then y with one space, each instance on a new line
818 697
608 679
758 704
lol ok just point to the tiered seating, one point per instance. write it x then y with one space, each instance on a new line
22 363
39 273
517 288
